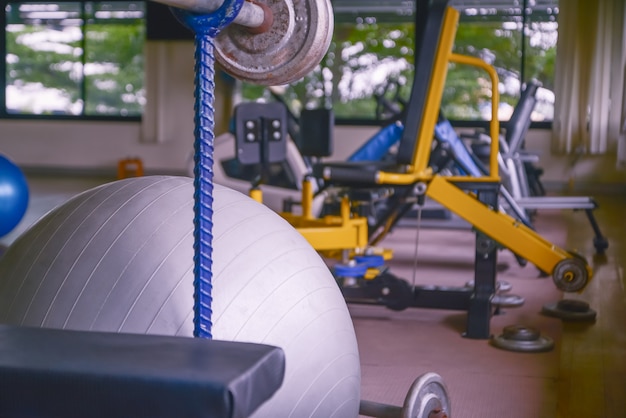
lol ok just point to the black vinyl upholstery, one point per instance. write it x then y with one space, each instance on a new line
47 373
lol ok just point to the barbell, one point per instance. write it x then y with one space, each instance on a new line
272 42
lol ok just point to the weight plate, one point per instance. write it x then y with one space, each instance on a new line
508 301
572 305
569 310
522 339
293 46
501 286
571 274
427 398
520 333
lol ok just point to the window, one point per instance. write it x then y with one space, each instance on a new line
372 45
85 59
74 59
372 52
519 41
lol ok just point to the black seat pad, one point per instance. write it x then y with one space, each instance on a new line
48 373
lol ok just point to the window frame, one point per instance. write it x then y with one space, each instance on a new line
344 9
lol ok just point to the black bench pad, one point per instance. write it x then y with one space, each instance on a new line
48 373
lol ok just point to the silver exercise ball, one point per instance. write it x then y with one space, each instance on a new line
119 258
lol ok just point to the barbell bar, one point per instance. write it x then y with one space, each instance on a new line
427 398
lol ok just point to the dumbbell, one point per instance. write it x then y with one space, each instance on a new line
427 398
270 42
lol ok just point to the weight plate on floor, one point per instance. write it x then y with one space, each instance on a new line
570 274
501 286
427 398
508 301
522 339
294 45
569 310
572 305
520 333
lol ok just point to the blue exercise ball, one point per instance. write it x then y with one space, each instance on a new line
13 195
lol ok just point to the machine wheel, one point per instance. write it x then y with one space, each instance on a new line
600 244
396 294
570 275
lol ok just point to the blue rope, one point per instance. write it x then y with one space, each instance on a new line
206 27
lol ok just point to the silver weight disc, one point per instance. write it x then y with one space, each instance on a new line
501 286
520 333
570 274
522 339
507 300
294 45
569 310
427 398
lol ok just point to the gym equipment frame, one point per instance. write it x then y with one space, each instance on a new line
475 199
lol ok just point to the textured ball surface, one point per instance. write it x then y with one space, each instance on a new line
119 258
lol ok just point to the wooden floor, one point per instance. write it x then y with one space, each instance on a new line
583 376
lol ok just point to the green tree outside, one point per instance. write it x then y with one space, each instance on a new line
95 69
365 48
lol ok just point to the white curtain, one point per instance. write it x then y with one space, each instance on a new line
589 77
621 145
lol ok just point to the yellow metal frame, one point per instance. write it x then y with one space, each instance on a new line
332 232
499 226
348 232
494 124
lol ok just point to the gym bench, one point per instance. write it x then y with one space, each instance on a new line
51 373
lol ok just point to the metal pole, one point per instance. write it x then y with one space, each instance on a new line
379 410
206 27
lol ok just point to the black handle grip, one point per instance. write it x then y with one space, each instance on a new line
349 176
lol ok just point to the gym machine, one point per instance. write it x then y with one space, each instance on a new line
522 180
475 199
